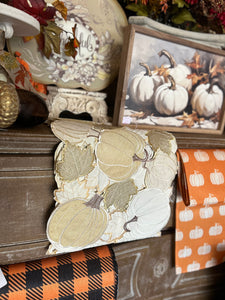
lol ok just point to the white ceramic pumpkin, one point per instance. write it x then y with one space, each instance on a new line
217 177
147 214
170 98
179 72
207 99
143 86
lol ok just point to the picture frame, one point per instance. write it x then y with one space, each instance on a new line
169 83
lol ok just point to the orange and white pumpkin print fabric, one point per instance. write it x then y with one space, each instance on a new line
200 224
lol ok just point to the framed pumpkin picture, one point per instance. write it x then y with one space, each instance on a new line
171 83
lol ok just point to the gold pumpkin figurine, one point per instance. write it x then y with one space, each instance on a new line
9 104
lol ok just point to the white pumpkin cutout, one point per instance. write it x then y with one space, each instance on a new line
196 233
207 99
185 252
206 212
204 249
196 179
219 155
217 229
201 155
186 215
143 86
216 177
170 98
148 213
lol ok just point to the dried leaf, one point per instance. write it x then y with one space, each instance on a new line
196 78
51 39
70 47
119 194
216 117
60 6
76 162
189 120
195 64
216 70
163 140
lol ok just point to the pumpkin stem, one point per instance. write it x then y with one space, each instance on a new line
95 201
134 219
210 89
147 157
171 58
172 81
148 71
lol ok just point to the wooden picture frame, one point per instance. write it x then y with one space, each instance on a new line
147 97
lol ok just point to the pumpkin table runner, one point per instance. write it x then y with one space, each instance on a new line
200 209
113 185
88 274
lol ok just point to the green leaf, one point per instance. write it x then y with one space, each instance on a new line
180 3
183 16
119 194
51 34
139 9
76 162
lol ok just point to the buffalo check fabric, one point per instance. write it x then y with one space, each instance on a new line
200 209
89 274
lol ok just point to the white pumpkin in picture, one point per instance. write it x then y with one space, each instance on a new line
219 154
201 155
185 252
196 179
206 212
179 72
147 214
204 249
217 177
196 233
143 86
184 156
222 209
179 235
220 246
211 263
217 229
170 98
186 215
195 266
210 200
207 99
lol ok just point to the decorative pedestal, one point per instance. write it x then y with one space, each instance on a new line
76 101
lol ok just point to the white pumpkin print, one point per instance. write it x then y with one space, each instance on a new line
179 235
186 215
206 212
219 154
201 155
185 252
222 209
220 246
210 200
196 233
204 249
178 270
193 202
211 263
184 156
217 229
216 177
195 266
196 179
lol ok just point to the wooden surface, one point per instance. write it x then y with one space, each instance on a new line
146 267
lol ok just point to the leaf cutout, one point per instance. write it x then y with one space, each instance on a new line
51 39
119 194
163 140
76 162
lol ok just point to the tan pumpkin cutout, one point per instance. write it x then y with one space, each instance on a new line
77 223
120 153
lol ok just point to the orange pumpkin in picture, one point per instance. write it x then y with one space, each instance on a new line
201 155
217 177
196 179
